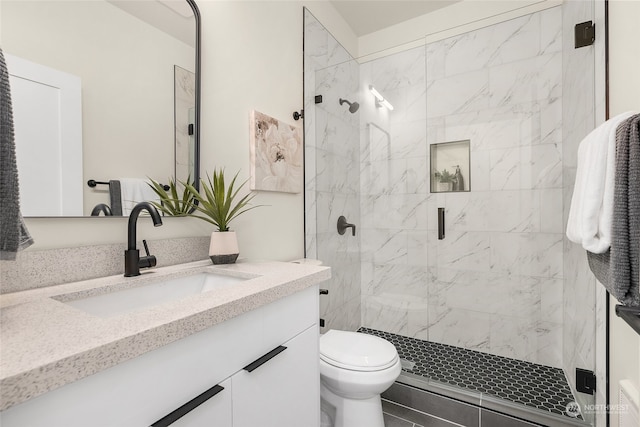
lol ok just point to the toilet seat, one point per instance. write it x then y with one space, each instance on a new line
357 352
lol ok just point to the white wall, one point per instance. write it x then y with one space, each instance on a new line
624 95
252 59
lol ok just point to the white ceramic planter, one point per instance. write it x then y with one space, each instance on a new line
445 186
223 248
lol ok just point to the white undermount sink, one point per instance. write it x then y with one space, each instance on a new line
126 300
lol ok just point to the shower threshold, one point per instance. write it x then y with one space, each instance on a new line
525 390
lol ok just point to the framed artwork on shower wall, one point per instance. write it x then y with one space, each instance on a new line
450 166
276 155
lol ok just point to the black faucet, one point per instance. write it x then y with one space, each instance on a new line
132 260
101 208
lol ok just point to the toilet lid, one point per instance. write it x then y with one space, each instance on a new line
356 351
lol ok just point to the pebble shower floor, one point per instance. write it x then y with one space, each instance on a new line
526 383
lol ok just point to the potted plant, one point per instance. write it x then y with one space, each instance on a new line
217 205
445 180
170 203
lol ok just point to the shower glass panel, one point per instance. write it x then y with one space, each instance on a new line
499 287
584 300
332 171
498 272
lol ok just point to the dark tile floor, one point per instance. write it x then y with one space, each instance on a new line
393 421
530 384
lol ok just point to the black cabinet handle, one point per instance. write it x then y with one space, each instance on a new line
174 416
440 223
264 359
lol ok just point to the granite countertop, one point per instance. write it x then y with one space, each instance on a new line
47 343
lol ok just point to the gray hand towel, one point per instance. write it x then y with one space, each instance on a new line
618 269
115 197
14 235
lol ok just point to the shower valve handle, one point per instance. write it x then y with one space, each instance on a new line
343 225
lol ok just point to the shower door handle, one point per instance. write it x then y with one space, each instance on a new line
343 225
440 223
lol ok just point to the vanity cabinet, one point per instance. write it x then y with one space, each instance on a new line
283 391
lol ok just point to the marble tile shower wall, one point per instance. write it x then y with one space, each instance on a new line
332 171
394 192
495 284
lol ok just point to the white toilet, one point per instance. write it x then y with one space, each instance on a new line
355 369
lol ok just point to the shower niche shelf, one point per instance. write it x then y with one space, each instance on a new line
450 167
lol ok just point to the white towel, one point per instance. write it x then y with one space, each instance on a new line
134 191
591 211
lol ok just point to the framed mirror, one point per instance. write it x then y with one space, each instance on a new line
103 91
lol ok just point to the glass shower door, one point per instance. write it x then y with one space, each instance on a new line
337 192
504 277
332 156
394 194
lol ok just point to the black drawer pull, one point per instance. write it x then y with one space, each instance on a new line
264 359
174 416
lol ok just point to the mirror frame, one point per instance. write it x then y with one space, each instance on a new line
196 131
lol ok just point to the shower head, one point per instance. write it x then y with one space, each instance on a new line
353 106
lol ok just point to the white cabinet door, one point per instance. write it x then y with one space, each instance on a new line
47 110
284 391
213 409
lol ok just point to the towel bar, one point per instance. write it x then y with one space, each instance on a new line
92 183
631 315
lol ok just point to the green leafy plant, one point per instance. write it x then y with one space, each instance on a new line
445 176
217 204
170 203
